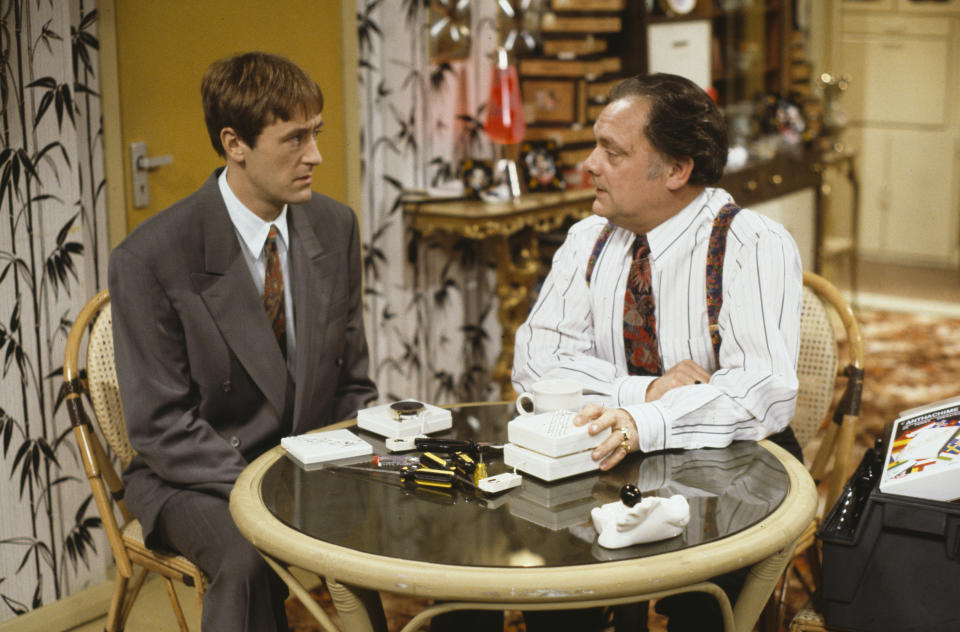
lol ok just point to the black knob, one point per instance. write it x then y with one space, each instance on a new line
630 495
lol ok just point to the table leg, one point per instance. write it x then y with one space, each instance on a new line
515 276
761 580
359 609
301 593
726 611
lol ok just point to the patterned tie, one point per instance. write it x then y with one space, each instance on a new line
273 291
639 316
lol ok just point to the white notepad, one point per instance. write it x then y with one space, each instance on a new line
552 434
319 447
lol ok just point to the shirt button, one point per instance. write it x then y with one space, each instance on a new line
235 442
227 386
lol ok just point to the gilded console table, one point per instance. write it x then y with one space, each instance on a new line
512 227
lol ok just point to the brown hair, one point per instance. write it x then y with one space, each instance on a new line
248 92
684 122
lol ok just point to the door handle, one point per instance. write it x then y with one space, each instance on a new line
140 164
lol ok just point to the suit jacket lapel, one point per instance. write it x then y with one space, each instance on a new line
234 302
311 305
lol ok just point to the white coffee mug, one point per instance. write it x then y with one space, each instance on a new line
547 395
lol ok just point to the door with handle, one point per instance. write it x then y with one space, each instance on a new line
140 166
162 50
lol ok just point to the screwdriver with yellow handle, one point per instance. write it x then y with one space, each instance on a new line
411 475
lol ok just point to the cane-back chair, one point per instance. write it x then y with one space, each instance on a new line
831 353
99 383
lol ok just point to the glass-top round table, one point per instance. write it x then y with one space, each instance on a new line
533 546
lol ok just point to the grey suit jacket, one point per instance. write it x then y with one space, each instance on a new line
204 386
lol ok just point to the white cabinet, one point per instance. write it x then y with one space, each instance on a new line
797 212
908 195
905 126
899 66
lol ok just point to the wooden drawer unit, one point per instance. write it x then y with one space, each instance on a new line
764 180
784 189
564 85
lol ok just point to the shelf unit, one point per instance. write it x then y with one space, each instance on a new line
740 47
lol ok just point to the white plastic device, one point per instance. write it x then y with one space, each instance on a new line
402 444
499 482
546 467
386 421
552 434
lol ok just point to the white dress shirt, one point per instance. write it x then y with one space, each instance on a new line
575 329
252 233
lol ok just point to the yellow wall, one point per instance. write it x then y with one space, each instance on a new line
163 49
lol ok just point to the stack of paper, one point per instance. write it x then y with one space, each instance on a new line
549 446
319 447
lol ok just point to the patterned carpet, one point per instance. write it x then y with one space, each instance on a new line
911 360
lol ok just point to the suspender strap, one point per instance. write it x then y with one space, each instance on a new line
715 253
598 245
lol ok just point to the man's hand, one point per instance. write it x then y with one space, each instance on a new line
622 439
682 374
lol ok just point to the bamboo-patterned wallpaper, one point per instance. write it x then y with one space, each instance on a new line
52 259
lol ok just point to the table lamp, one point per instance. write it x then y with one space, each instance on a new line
505 124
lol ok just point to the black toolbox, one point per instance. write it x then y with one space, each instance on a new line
890 563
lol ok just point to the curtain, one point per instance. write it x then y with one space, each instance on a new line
53 249
429 302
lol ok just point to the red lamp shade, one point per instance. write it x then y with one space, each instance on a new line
504 123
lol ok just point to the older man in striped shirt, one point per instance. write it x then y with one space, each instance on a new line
678 312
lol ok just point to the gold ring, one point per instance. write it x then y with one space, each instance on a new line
625 444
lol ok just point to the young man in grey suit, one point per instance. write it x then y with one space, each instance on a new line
237 320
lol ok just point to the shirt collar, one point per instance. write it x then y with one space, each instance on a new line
252 230
663 236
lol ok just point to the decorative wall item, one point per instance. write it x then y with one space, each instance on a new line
550 101
518 24
53 249
678 7
448 30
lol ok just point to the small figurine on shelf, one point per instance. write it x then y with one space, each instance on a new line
477 176
832 87
789 121
540 169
